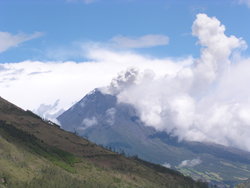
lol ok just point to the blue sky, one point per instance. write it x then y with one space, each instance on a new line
66 25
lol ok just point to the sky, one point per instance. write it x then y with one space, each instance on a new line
178 62
56 30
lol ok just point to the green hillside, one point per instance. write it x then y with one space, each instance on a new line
35 153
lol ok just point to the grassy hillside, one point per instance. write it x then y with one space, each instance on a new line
34 153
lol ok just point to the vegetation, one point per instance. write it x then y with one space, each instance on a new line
35 153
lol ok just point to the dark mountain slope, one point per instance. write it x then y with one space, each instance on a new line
101 119
35 153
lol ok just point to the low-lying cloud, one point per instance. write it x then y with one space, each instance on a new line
44 83
88 122
167 165
190 163
49 112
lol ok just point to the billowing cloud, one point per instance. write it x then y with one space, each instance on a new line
190 163
8 40
217 47
88 122
206 101
145 41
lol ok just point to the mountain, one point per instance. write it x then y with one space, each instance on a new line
38 153
103 120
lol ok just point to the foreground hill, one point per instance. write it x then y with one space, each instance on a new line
35 153
103 120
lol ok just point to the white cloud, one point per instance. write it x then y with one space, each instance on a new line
190 163
46 82
167 165
8 40
49 111
110 116
79 49
217 47
145 41
247 2
88 122
206 101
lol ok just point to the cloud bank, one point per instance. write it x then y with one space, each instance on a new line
8 40
40 84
